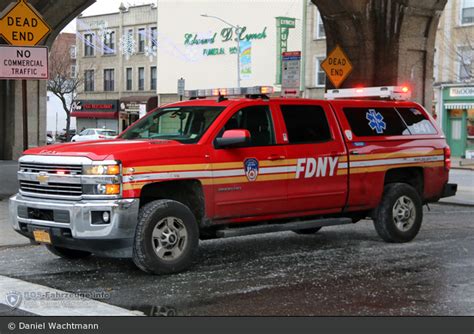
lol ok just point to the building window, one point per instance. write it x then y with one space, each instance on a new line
319 75
73 71
88 45
109 78
141 78
129 78
73 52
141 40
467 12
319 32
109 43
154 36
89 81
466 61
153 78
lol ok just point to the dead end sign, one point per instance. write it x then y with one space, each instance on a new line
21 63
337 66
22 25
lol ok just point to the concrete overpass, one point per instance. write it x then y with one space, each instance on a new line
389 42
58 14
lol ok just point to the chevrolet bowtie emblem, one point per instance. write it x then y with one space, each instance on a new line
43 178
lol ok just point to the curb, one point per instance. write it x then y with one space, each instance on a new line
464 204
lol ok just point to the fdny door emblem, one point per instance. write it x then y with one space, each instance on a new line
43 178
251 169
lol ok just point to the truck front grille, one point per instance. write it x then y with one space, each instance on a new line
57 189
29 167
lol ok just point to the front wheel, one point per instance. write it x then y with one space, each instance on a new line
398 217
166 238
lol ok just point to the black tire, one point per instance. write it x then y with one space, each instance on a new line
146 247
66 253
308 231
396 229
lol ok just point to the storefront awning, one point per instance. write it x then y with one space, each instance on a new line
451 106
92 114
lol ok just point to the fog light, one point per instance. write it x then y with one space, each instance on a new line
106 216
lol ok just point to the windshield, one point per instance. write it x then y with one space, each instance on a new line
183 124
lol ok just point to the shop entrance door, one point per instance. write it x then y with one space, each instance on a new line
456 135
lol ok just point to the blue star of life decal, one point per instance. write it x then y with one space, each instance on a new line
376 121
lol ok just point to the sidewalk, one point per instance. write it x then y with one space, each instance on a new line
8 179
459 163
8 237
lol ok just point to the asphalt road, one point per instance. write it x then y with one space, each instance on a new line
345 270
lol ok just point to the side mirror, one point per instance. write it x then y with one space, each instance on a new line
233 138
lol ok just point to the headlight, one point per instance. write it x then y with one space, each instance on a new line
102 170
102 189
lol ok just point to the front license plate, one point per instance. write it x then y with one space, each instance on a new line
42 236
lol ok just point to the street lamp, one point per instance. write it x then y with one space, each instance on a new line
237 28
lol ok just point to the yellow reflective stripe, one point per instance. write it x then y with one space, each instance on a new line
361 170
206 167
396 155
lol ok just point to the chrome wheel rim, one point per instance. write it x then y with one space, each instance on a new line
404 213
169 238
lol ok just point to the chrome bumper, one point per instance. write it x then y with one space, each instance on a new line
123 217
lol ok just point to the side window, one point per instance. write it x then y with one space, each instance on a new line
306 124
258 121
416 121
375 122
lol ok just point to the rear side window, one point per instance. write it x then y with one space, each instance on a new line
417 122
306 124
366 122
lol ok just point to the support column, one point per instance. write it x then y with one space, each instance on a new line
389 42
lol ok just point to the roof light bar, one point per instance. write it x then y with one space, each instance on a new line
399 93
203 93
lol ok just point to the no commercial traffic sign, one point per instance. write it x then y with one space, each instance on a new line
22 25
337 66
24 62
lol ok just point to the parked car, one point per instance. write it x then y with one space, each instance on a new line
94 134
61 138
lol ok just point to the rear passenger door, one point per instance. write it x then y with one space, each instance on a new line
316 149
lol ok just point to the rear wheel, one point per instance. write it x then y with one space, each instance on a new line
166 238
398 217
66 253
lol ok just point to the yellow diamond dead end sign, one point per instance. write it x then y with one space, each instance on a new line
22 25
337 66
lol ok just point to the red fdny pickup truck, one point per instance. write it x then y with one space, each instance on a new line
216 168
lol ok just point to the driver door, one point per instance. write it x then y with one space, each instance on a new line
250 181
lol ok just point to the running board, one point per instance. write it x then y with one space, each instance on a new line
302 225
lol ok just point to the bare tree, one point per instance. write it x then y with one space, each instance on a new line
63 83
461 53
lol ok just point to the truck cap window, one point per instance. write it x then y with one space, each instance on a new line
417 122
185 124
306 124
366 122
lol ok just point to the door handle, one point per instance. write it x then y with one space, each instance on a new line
276 157
355 153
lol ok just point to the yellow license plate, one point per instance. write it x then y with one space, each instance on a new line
42 236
